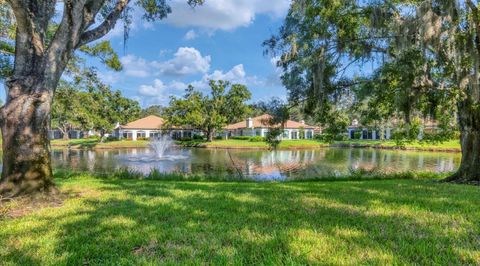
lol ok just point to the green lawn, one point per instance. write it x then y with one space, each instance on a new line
452 145
447 145
148 222
234 143
94 143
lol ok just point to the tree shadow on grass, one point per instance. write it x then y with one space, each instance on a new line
136 222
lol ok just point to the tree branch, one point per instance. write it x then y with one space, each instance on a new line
107 25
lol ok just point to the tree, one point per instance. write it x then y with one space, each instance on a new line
235 103
212 112
152 110
426 54
43 50
67 109
88 104
105 106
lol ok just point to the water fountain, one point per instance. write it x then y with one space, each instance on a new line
160 144
159 155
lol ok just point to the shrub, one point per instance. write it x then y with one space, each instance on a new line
273 139
111 138
219 137
357 134
198 137
143 138
257 139
325 137
341 137
241 137
185 139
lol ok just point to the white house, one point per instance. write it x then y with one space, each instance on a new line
149 127
366 133
387 131
259 126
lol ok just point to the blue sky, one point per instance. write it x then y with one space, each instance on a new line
220 40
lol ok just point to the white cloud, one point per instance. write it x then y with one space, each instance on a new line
236 75
190 35
158 88
159 92
138 67
224 14
186 61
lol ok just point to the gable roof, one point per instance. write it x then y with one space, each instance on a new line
149 122
262 121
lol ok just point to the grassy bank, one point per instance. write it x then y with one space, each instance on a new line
124 222
95 143
452 145
245 144
239 144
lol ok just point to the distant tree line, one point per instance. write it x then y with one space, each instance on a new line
86 103
224 104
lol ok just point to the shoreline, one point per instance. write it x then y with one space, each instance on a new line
105 146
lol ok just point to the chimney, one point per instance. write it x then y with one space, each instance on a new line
302 122
249 122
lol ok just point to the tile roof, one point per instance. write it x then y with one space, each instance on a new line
149 122
262 121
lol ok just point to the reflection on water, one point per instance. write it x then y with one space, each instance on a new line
261 165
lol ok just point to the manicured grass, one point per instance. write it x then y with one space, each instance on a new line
447 145
452 145
95 143
149 222
234 143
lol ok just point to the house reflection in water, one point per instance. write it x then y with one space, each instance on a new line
259 164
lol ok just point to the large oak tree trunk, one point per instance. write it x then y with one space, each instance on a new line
26 146
39 64
469 120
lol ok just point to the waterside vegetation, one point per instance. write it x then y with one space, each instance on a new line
94 143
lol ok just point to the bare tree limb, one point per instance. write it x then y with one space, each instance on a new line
107 25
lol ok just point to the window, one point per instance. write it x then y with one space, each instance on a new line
258 132
309 134
141 134
285 134
294 135
127 135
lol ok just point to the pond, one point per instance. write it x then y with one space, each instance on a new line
257 164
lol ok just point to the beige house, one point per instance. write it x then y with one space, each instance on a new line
150 127
259 126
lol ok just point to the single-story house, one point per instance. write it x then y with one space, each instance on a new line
149 127
368 133
72 134
387 131
259 126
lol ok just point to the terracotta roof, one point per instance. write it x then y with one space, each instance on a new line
149 122
262 121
